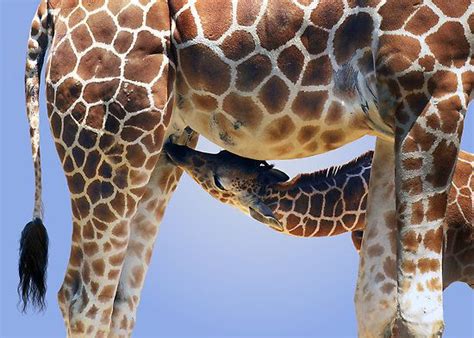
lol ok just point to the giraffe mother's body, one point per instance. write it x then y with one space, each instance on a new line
264 79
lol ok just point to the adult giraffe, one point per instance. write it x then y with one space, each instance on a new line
266 80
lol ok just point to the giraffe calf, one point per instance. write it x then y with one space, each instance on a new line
328 202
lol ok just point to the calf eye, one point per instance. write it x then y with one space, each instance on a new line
218 183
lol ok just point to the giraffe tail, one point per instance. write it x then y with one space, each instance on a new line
33 250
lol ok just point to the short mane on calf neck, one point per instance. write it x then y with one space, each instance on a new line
324 203
330 201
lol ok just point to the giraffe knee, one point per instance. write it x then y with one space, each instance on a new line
77 307
68 292
63 296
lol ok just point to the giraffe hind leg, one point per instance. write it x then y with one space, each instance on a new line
109 112
103 206
143 231
107 174
375 296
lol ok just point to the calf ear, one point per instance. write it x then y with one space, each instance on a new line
262 213
275 176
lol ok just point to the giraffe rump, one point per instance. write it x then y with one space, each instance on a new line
32 264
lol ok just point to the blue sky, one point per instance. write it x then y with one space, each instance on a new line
215 272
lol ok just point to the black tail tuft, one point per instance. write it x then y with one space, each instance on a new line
32 265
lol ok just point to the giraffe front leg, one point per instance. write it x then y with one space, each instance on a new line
375 297
143 231
425 156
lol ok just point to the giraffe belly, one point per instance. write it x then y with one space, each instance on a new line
256 111
260 113
263 115
281 136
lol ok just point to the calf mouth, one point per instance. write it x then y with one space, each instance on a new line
270 221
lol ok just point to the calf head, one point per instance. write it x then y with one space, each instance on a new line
232 179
